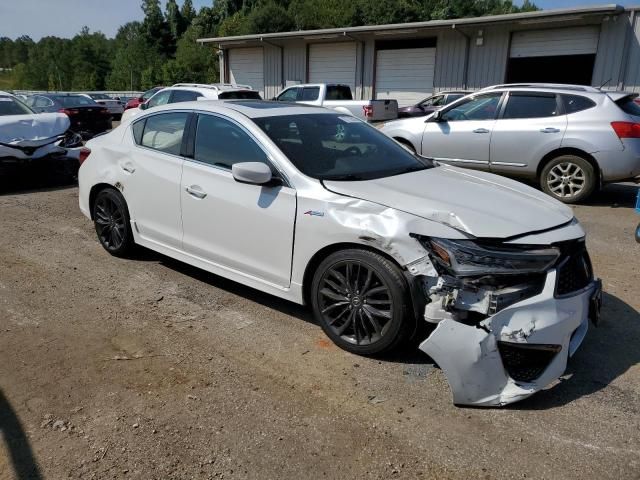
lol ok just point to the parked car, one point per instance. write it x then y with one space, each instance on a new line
35 143
338 97
114 105
186 92
136 101
87 117
431 104
570 139
319 208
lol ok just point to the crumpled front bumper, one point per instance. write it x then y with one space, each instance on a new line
471 358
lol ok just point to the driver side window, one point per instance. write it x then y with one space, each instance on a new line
480 107
433 101
222 143
290 95
161 98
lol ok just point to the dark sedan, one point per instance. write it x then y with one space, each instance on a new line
431 104
87 117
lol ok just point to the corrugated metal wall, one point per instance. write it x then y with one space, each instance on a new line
618 58
632 73
450 55
295 62
488 62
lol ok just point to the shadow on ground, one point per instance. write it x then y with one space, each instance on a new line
26 183
16 442
616 195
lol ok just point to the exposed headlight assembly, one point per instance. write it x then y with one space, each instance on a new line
466 258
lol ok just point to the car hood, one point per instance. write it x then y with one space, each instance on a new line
480 204
32 130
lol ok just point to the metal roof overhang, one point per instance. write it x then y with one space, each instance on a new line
415 28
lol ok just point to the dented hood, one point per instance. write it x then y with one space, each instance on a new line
478 203
32 130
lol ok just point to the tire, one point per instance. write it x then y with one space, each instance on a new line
638 233
568 178
112 223
347 313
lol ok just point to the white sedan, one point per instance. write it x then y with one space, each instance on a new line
322 209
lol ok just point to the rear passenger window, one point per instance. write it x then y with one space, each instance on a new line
184 96
309 94
577 103
222 143
338 92
164 132
530 106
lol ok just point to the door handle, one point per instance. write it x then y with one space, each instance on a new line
549 130
481 130
195 191
127 167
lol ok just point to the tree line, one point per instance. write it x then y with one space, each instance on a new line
162 50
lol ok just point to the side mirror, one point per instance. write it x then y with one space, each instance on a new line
255 173
273 99
143 106
435 117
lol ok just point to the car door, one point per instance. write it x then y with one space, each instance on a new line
241 227
530 125
461 134
151 176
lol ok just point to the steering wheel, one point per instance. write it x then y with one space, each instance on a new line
353 151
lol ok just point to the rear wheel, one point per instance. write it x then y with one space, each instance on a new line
568 178
361 301
111 220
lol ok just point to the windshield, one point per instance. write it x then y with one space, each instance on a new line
240 95
338 147
13 106
74 101
100 96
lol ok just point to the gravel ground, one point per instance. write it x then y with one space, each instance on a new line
150 369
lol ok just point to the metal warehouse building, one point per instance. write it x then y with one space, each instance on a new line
591 45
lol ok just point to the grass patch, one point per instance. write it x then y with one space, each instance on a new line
6 80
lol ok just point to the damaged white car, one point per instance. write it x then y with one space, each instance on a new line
320 208
40 142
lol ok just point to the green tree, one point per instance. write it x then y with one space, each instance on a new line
188 12
269 17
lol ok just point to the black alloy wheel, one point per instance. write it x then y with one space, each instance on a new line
360 299
111 219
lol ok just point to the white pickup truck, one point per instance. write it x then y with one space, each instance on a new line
338 97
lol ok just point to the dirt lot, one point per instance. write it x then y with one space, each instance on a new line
149 369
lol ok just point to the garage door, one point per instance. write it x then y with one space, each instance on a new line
246 67
555 42
405 74
333 63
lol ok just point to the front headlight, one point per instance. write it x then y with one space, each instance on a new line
466 258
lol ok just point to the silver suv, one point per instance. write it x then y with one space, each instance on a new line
571 139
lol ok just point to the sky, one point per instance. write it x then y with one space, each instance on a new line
65 18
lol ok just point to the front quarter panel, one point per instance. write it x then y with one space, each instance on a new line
410 129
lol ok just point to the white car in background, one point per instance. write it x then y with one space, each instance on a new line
320 208
187 92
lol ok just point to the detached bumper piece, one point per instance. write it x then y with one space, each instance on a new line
517 351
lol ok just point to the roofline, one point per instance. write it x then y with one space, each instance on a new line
538 15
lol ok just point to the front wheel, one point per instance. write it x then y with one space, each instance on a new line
111 220
568 178
361 301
